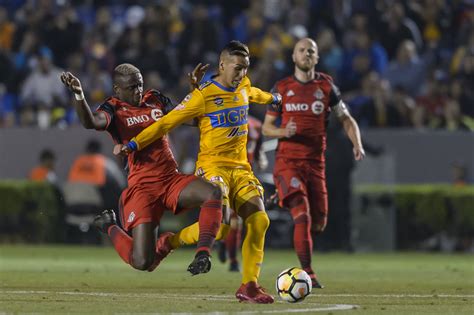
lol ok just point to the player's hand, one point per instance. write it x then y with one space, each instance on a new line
121 150
290 128
198 73
71 82
359 153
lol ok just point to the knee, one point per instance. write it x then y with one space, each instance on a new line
258 222
214 192
302 217
142 262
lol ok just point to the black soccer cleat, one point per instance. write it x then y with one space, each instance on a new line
222 251
315 282
234 266
104 220
200 264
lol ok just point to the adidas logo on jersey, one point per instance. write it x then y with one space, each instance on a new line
290 93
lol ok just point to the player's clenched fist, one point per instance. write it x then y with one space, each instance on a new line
290 128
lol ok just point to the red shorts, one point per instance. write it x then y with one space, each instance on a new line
307 178
143 203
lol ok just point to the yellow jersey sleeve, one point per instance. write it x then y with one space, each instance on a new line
258 96
192 106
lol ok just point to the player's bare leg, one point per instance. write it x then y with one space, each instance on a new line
200 193
143 255
256 221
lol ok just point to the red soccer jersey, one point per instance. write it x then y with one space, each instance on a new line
309 105
124 121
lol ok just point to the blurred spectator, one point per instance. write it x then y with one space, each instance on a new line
330 59
44 172
379 109
432 100
396 28
407 71
94 168
366 56
42 91
7 29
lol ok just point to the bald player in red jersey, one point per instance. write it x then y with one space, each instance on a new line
154 184
299 174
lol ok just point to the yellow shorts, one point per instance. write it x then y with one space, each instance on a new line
238 185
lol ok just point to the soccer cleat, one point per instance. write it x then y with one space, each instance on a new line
222 251
163 248
316 283
234 266
253 293
104 220
200 264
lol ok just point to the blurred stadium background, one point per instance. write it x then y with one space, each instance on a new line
405 69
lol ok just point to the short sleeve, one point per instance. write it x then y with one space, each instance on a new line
109 112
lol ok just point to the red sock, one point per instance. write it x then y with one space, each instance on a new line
232 242
210 219
302 240
123 243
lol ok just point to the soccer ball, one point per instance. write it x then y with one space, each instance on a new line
293 285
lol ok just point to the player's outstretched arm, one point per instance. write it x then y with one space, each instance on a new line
88 119
269 128
258 96
192 106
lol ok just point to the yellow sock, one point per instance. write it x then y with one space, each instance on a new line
252 248
190 235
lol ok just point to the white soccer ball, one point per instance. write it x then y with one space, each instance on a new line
293 285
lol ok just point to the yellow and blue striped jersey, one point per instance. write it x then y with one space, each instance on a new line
222 119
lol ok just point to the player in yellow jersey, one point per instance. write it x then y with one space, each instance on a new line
221 109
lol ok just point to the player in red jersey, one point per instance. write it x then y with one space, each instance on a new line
257 158
154 183
299 174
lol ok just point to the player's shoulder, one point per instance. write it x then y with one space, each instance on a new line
324 77
282 83
204 85
154 97
109 104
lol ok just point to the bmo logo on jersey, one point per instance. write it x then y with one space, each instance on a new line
317 107
155 115
296 107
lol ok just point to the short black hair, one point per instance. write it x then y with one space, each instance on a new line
47 155
234 47
93 146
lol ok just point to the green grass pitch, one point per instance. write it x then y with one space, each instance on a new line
90 280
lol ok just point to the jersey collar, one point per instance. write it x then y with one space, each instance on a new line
221 86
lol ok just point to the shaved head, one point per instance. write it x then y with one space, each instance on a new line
305 54
125 69
128 83
306 42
